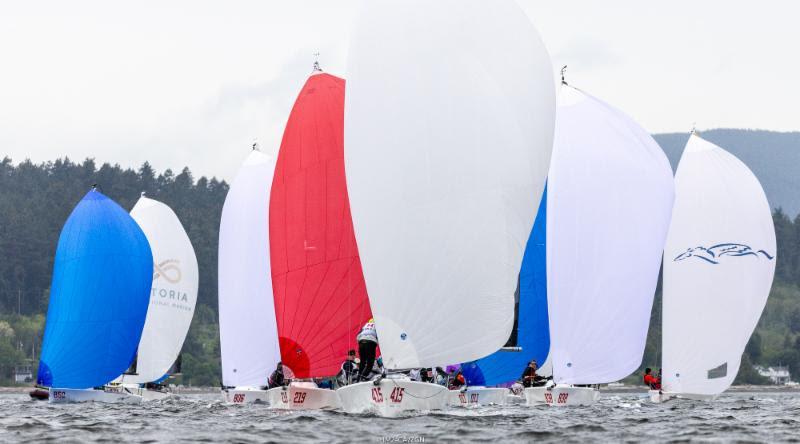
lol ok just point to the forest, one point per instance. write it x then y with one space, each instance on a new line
36 199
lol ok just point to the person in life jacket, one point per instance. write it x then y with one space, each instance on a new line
276 379
457 381
530 378
367 345
650 380
349 372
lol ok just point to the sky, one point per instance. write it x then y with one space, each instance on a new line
194 83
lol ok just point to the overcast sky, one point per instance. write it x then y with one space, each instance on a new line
195 82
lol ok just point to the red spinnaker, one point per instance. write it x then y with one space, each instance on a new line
320 296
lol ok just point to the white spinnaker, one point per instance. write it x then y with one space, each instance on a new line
174 293
248 330
449 116
713 298
610 195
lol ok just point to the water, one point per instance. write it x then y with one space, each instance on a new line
763 417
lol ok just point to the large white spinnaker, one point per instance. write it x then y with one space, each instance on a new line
248 332
449 115
610 195
174 292
719 262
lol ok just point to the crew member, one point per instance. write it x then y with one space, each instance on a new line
529 376
349 372
367 345
457 382
276 379
650 380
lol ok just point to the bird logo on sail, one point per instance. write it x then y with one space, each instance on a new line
169 269
714 254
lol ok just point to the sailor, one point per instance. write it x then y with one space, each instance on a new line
457 381
367 345
377 369
441 376
427 375
276 379
529 376
349 372
650 380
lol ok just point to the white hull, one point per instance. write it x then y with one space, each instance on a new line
65 396
561 396
244 395
474 396
392 397
658 396
513 399
302 398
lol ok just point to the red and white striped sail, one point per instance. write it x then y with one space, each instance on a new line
320 297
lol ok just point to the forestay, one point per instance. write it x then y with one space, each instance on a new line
98 301
719 262
174 292
533 331
320 297
610 195
449 117
248 335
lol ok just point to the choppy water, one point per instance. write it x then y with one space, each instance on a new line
765 417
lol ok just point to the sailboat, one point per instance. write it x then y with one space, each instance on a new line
172 298
530 339
102 275
248 333
719 262
449 115
610 196
319 292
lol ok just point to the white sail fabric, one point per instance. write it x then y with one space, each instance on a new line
247 327
610 195
174 292
719 262
449 116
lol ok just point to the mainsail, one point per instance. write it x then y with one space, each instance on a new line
449 116
719 262
174 292
98 300
533 331
320 297
610 196
248 335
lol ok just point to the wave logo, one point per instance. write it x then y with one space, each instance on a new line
714 254
169 269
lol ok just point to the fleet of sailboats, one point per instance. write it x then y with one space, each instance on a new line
478 219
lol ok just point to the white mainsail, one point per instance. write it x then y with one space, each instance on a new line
449 115
719 262
248 332
610 195
174 292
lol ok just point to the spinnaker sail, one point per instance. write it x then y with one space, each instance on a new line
320 297
102 277
719 263
610 196
248 334
174 292
449 116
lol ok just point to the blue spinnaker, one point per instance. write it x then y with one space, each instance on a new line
102 276
533 328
